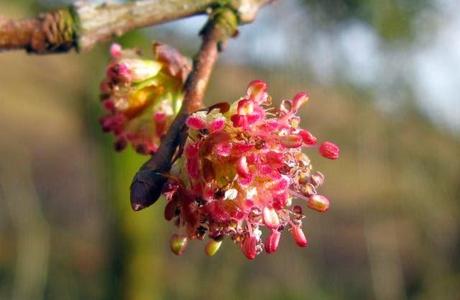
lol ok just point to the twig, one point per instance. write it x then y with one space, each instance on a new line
84 24
149 180
49 33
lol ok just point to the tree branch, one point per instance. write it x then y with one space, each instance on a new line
48 33
148 182
99 22
84 24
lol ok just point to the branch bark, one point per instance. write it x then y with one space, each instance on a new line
84 24
148 182
99 22
48 33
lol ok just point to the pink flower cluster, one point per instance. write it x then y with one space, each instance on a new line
141 97
242 168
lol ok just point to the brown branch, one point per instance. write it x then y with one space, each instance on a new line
50 32
148 182
99 22
85 24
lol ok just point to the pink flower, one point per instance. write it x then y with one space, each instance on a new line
141 97
242 169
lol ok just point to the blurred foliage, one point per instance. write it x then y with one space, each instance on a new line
392 19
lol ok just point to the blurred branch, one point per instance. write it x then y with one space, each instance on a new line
84 24
149 180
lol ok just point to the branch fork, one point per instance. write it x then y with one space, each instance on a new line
147 184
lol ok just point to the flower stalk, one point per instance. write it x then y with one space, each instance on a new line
149 180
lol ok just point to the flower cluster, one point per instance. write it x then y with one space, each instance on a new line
141 96
242 167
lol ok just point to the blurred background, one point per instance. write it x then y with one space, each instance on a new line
383 78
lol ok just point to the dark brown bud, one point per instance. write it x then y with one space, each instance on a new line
146 188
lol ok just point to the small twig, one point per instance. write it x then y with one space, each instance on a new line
149 180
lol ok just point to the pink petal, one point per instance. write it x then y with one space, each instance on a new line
252 118
245 180
238 120
308 138
116 50
245 107
298 101
223 149
195 123
160 116
193 168
191 150
240 148
216 125
274 159
257 91
242 167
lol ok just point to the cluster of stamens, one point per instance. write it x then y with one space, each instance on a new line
141 97
242 171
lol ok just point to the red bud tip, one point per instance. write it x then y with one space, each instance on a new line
329 150
308 138
272 242
299 236
291 141
249 247
299 100
116 51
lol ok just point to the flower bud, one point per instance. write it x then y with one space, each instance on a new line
249 247
318 202
257 91
272 242
308 138
291 141
141 69
299 236
329 150
212 247
242 167
271 217
195 122
141 96
298 101
178 243
116 51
